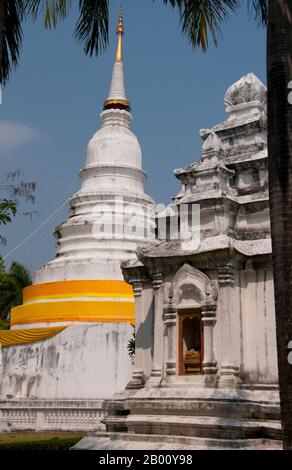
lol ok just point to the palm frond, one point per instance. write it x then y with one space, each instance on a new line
53 11
92 25
200 18
11 15
261 10
173 3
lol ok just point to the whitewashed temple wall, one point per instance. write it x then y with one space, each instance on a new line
145 331
253 327
81 362
258 339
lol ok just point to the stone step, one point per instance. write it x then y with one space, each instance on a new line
200 407
129 441
196 426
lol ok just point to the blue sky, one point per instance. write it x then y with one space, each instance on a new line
52 104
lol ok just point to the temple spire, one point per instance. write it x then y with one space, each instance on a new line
117 95
120 33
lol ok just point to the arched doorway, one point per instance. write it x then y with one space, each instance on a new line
190 342
190 316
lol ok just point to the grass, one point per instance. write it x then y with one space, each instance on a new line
39 440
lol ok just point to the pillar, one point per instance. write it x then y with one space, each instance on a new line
170 321
229 374
138 380
157 370
209 363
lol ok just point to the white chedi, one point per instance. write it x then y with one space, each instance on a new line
82 288
111 195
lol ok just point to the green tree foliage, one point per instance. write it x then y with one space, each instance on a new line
14 189
7 210
12 283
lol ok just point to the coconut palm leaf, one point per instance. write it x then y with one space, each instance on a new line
11 15
199 18
202 18
261 10
92 25
52 11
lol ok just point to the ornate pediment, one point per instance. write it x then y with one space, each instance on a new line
192 287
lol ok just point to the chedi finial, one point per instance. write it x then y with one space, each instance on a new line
117 95
120 33
212 144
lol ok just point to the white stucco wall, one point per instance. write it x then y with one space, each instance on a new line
145 334
253 329
82 362
258 331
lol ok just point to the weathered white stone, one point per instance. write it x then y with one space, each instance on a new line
82 362
248 89
51 415
212 144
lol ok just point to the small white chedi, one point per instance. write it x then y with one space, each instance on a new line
82 288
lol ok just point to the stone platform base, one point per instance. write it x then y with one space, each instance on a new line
118 441
190 419
51 415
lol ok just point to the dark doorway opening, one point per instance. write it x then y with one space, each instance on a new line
190 343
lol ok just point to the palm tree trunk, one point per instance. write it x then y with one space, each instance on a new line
280 180
2 22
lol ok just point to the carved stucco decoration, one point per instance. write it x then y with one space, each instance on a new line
248 89
143 251
213 144
134 271
192 287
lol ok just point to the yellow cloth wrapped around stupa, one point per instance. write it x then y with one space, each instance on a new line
28 335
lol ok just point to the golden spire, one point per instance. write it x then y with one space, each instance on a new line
117 95
120 33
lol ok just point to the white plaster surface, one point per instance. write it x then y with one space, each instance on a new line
82 362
